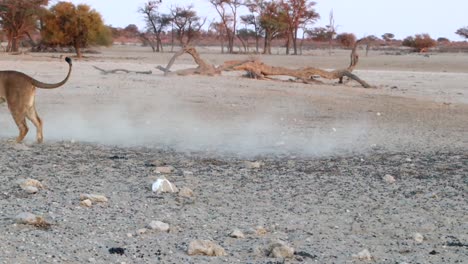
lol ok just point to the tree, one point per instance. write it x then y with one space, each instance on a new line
155 23
299 13
443 40
347 40
463 32
18 18
319 34
388 37
78 26
253 19
227 10
331 30
187 24
421 42
273 20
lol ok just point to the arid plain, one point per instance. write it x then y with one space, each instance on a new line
323 151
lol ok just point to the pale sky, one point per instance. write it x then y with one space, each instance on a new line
361 17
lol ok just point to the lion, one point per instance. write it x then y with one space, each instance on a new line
18 91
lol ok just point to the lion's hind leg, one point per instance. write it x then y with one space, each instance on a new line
20 120
32 115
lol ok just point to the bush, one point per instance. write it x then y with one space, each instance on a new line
420 42
347 40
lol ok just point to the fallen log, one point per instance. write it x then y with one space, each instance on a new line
258 70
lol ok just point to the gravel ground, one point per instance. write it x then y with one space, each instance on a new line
327 208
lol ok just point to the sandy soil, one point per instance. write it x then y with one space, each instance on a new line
324 148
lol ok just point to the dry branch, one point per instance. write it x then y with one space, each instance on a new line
259 70
121 70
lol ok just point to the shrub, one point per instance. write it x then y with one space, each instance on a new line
420 42
346 39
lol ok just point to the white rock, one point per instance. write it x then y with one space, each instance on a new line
26 218
86 203
236 233
363 255
141 231
93 198
159 226
30 189
162 185
279 249
30 183
205 247
418 237
389 178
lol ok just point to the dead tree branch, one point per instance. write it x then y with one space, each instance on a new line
259 70
121 70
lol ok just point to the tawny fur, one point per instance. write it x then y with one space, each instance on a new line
18 90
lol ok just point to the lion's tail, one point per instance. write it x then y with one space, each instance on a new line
42 85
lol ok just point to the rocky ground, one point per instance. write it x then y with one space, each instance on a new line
338 174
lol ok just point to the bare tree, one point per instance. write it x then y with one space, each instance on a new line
331 30
463 32
187 24
227 10
156 23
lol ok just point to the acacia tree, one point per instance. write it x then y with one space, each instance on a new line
227 10
156 23
18 18
187 24
273 20
388 37
420 42
78 26
299 13
347 40
253 19
220 32
463 32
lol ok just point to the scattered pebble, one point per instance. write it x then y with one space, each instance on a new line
30 186
418 237
253 164
164 169
32 219
279 249
86 203
261 231
363 255
205 247
159 226
141 231
162 185
236 233
389 179
97 198
186 192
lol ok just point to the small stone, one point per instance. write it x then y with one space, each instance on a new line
418 237
408 160
279 249
363 255
186 192
205 247
141 231
159 226
30 189
253 165
129 235
164 169
86 203
261 231
187 173
31 182
379 114
32 219
162 185
94 198
389 179
236 233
